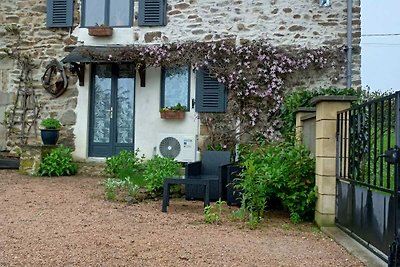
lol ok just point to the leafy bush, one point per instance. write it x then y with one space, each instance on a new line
58 162
301 98
51 123
285 171
157 169
125 164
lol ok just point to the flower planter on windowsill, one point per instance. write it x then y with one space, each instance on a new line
100 31
172 115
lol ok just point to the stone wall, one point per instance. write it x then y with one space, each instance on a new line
6 65
34 40
282 22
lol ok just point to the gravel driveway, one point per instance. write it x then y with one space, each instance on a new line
65 221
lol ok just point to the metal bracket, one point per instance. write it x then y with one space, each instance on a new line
392 156
79 69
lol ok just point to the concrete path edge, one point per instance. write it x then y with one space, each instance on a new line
354 247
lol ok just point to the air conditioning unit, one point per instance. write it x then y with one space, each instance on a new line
180 147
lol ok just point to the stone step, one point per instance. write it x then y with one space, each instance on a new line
91 168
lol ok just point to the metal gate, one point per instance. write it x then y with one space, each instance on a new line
367 172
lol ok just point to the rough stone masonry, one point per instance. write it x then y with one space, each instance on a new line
282 22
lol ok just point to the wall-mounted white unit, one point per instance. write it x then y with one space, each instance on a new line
181 147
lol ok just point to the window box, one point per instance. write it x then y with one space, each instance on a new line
172 114
100 31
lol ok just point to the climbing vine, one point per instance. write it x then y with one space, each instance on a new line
254 73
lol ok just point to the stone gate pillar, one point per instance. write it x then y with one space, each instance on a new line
325 154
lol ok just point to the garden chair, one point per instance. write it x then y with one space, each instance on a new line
209 168
203 179
229 178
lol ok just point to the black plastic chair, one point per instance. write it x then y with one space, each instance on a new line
229 178
208 168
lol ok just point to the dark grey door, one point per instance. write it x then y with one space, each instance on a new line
111 109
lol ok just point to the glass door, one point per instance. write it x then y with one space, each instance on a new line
111 109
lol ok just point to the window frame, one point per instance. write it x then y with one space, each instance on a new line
107 14
162 91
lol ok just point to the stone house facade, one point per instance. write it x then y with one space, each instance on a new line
109 106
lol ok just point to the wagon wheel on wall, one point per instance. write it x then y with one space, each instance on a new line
54 79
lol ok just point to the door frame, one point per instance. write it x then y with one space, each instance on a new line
115 147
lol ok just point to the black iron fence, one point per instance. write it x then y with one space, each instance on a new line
367 172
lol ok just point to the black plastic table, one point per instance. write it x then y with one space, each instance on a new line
169 181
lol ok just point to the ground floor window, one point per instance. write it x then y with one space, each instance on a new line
175 86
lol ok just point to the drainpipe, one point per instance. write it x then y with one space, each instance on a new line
349 42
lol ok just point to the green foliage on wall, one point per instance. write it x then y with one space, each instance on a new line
301 98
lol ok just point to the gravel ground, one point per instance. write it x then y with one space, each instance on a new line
65 221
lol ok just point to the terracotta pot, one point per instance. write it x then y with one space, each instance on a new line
101 31
172 115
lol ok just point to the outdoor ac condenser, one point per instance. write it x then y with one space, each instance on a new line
181 147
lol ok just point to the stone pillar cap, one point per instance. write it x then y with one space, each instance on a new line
304 109
331 98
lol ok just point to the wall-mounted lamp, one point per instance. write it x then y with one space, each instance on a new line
324 3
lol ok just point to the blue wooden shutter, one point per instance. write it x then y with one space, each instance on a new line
152 12
60 13
210 94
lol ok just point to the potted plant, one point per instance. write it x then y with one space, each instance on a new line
50 131
100 30
176 112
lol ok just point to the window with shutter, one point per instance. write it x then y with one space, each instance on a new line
114 13
60 13
211 96
152 12
175 87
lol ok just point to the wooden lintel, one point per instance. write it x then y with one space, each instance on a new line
142 75
79 69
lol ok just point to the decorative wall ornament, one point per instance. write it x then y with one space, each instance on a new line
54 79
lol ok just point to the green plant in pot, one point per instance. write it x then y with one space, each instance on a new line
174 112
50 128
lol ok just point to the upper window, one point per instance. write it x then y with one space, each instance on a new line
175 87
115 13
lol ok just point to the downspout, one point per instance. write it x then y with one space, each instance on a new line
349 43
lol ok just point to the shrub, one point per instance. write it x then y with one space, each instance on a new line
125 164
157 169
58 162
51 123
285 171
301 98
